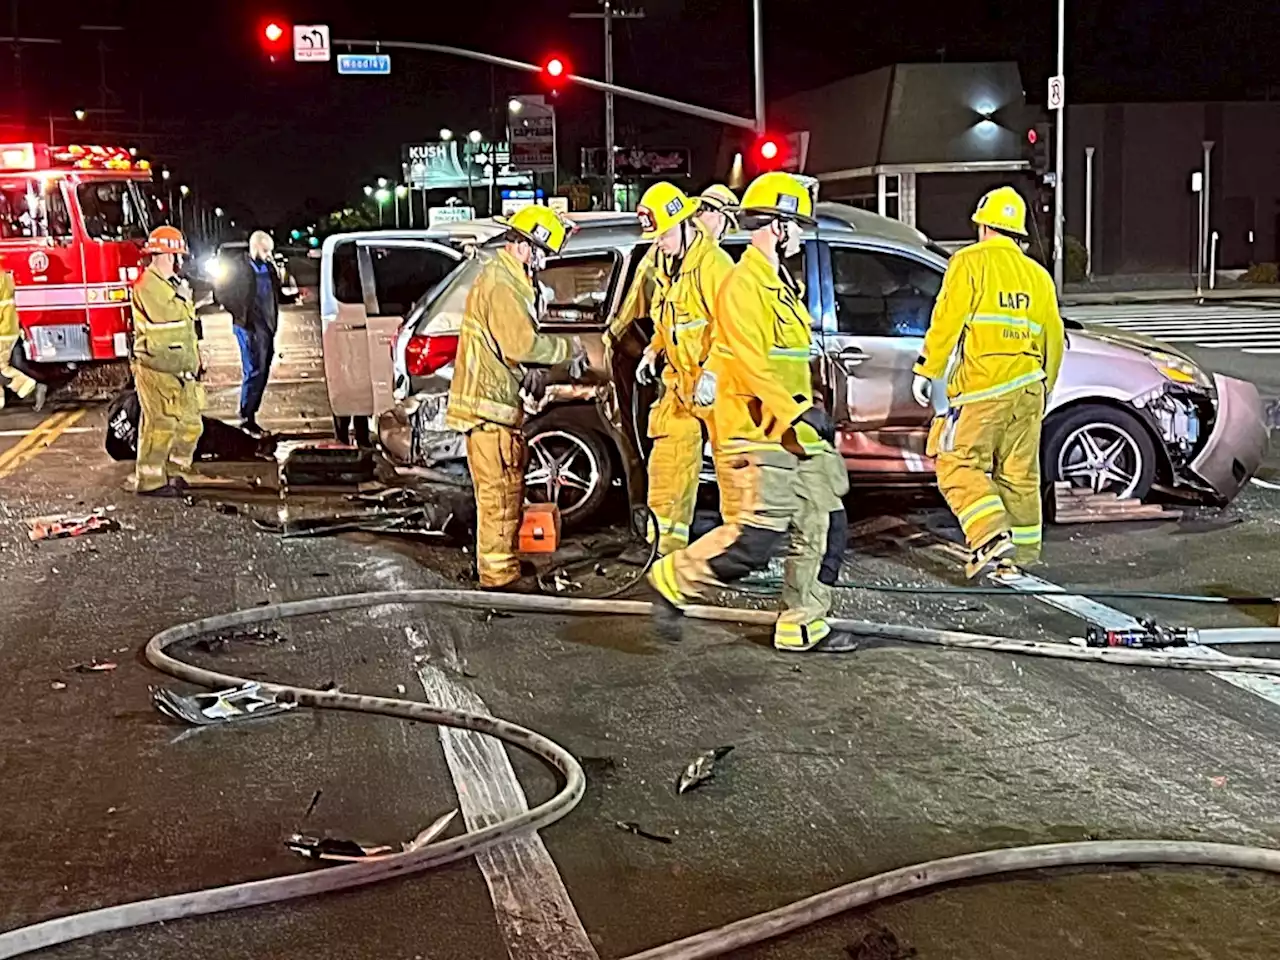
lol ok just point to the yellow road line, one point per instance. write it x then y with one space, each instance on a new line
40 440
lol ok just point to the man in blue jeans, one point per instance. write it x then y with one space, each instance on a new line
252 298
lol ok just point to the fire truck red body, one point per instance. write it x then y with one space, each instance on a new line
72 220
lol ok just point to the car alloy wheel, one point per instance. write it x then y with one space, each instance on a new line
1103 458
562 470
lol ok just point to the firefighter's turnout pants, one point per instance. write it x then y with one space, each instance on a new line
988 463
675 462
775 492
10 378
170 427
497 457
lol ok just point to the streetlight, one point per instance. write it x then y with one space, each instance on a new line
382 195
368 190
183 192
165 175
475 136
81 114
382 183
401 192
446 134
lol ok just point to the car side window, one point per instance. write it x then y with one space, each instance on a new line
879 294
796 265
403 274
346 274
576 289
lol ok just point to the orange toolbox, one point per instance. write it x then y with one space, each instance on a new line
540 528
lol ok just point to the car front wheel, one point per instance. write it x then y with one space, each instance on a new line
570 466
1099 449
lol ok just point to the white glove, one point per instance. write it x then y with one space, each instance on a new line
704 391
921 388
647 371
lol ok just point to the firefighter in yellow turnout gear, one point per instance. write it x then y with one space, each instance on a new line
499 338
166 365
997 313
17 382
776 444
689 270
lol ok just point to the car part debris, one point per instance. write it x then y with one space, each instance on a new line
325 465
427 520
63 525
256 636
711 943
315 800
248 702
635 828
342 850
701 769
1148 635
93 666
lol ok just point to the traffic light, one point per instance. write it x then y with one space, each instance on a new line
770 152
276 40
555 73
1038 150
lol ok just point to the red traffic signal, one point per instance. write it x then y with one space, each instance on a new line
275 39
770 152
1032 136
555 72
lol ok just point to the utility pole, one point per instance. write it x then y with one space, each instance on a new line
608 15
1059 238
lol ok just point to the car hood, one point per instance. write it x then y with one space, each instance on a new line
1125 339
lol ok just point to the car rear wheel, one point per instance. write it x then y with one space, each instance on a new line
1099 449
570 466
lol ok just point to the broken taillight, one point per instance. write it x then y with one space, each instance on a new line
424 355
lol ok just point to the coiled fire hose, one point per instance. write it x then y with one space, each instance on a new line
712 943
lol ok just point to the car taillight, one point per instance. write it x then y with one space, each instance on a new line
425 355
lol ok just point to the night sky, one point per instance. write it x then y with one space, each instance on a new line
266 139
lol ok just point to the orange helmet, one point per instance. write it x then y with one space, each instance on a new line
165 239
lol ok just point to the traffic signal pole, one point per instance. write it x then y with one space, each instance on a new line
627 93
757 38
1059 231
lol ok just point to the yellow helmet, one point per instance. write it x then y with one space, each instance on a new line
539 225
1003 209
662 207
719 198
778 194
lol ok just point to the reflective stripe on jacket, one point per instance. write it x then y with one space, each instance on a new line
683 310
499 333
8 310
164 327
760 356
999 309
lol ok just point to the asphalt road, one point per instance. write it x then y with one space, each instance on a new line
844 765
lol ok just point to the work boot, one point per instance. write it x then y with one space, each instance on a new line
252 428
667 618
992 552
167 492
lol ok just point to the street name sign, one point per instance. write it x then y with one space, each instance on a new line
364 64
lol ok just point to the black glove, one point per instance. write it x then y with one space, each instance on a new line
535 382
822 424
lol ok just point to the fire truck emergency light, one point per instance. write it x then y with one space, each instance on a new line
18 156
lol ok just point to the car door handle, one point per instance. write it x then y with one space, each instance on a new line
850 357
358 326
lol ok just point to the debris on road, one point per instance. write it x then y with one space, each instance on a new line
343 850
701 768
57 685
225 706
257 636
315 799
880 944
63 525
426 520
324 464
93 666
632 827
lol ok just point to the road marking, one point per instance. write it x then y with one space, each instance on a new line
39 440
1093 611
533 910
27 433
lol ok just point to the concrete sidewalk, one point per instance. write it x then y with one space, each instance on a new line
1080 293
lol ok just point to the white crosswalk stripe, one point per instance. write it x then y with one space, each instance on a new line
1249 328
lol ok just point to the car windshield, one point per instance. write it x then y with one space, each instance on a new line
33 208
115 210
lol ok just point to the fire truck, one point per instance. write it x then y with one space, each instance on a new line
72 220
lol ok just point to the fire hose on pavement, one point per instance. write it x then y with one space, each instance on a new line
712 943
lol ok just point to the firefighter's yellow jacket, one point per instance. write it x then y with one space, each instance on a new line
164 327
760 358
998 311
499 333
8 310
683 310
